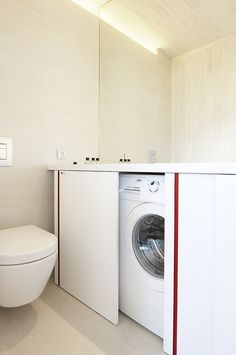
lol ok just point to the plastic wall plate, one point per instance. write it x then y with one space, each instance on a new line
5 151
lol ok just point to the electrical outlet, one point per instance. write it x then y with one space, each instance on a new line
61 154
152 156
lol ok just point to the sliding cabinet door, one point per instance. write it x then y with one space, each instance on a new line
196 254
207 265
89 239
225 266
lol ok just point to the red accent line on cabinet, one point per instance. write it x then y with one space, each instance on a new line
58 228
176 239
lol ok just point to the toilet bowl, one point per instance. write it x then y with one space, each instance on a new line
27 257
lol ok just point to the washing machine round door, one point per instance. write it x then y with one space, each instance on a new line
148 243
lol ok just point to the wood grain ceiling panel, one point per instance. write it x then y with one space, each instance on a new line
184 24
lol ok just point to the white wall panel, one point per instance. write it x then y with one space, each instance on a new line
48 99
204 103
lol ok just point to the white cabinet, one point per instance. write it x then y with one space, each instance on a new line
88 232
204 226
206 265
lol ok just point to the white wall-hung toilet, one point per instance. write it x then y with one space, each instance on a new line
27 257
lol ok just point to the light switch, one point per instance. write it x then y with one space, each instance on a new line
5 151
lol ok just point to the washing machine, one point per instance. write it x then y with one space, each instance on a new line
142 249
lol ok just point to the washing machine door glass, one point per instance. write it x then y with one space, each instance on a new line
148 244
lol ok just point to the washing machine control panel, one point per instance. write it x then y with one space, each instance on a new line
143 188
154 186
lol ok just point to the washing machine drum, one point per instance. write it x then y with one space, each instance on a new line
148 244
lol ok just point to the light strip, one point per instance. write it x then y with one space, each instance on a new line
89 5
144 42
117 20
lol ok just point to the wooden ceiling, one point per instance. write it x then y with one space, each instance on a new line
181 25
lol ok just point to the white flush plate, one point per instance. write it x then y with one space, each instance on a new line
5 151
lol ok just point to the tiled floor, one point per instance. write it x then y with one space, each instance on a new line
58 324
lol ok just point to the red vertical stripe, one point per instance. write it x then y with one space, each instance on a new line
176 238
58 226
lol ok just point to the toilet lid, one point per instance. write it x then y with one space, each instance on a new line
25 244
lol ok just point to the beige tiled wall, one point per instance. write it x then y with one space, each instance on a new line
48 99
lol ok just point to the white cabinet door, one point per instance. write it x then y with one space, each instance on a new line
207 265
196 264
89 239
225 266
169 262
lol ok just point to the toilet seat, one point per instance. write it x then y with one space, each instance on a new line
25 244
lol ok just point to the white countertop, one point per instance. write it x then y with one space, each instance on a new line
185 168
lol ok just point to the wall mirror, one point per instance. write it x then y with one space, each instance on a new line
134 89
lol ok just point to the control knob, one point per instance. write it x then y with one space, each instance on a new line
154 186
